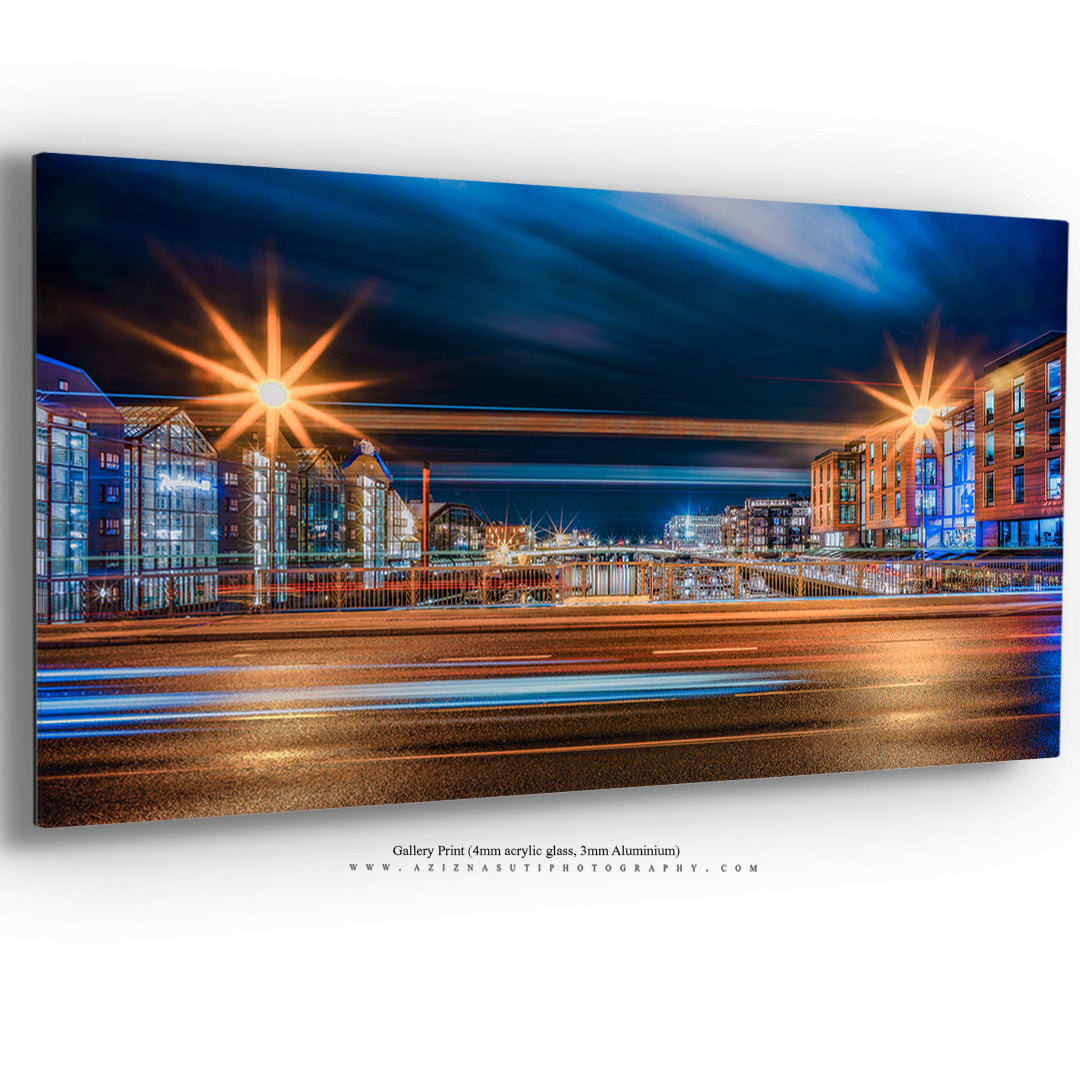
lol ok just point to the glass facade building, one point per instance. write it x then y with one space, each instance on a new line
61 458
170 511
322 505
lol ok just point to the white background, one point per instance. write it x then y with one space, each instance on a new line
908 923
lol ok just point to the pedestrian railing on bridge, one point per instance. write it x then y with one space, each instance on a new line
245 591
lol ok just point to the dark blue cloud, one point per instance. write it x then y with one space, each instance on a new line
516 296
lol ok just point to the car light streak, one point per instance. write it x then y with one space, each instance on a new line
116 709
76 675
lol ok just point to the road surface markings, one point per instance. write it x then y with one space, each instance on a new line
715 648
487 659
518 751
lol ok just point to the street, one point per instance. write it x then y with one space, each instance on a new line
188 728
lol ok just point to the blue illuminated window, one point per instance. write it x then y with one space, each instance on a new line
1053 379
1053 429
1053 478
1018 394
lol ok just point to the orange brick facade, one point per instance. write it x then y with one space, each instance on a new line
1017 469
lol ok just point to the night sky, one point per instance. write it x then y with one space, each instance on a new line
516 297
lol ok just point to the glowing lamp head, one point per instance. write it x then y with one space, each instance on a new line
273 393
921 416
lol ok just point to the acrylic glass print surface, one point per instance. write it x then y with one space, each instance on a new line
359 489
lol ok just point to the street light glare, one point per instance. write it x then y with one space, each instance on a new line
921 416
273 393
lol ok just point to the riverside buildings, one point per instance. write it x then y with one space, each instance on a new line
992 478
1019 412
136 508
758 526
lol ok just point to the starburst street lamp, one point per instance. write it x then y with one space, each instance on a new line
923 408
270 393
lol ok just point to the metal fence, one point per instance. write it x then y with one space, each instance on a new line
232 591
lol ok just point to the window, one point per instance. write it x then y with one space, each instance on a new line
1053 429
988 489
290 510
1018 439
1018 483
231 530
109 460
1053 379
110 492
1053 478
884 448
988 457
871 479
897 472
63 385
872 453
351 515
1018 394
884 512
884 477
898 503
232 506
871 509
108 526
112 559
230 479
989 403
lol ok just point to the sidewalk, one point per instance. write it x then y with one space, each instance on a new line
395 621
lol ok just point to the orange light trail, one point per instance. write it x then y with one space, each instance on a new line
544 423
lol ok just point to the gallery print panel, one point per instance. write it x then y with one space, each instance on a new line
358 489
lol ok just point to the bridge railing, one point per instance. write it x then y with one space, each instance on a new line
247 591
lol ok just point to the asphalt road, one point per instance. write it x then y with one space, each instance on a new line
196 729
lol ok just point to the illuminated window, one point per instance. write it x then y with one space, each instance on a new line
989 403
63 385
988 493
1018 439
232 506
110 492
1053 379
1053 478
231 530
1018 394
871 480
1018 483
872 445
108 526
988 457
898 502
1053 429
897 472
230 479
884 448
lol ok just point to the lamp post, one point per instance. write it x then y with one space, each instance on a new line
920 418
